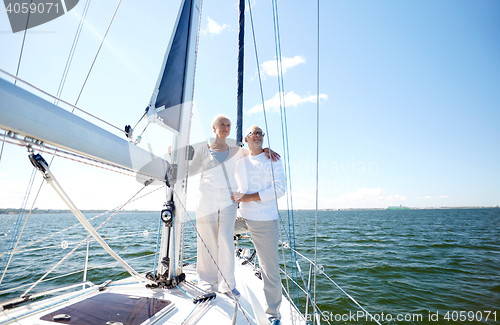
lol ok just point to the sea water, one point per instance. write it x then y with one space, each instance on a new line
437 266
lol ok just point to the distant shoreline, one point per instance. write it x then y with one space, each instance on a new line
406 208
55 211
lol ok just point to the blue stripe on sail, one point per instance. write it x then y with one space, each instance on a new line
172 82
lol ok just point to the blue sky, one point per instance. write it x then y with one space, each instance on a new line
410 100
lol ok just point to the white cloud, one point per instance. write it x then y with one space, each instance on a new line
214 28
270 67
372 195
430 197
291 99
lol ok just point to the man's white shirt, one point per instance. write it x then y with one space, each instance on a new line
258 174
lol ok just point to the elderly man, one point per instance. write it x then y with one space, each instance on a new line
261 182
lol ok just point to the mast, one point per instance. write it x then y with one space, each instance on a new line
170 107
241 47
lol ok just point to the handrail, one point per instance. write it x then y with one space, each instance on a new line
329 279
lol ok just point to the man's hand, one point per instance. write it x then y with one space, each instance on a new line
240 197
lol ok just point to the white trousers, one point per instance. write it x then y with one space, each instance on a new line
215 215
265 238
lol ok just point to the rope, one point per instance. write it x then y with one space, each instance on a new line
79 224
98 51
83 241
12 248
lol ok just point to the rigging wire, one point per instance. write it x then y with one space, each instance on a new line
286 152
98 51
22 45
268 139
267 130
83 241
317 168
140 119
15 248
61 85
72 50
79 224
12 247
15 234
72 273
29 250
3 143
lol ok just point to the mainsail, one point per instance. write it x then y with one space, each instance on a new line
176 81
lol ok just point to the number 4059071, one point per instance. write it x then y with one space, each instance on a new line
32 8
470 315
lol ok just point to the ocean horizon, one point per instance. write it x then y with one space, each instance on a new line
425 266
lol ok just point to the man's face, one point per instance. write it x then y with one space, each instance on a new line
255 138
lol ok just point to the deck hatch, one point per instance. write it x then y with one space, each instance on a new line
110 308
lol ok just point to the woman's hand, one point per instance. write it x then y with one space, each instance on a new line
271 154
238 197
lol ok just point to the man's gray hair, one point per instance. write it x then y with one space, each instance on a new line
250 130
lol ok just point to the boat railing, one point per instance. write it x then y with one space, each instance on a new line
310 302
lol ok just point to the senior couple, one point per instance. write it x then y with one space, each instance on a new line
254 179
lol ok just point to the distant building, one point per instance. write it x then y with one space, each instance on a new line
398 207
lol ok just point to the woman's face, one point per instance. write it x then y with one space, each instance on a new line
222 128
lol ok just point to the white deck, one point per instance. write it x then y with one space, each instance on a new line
217 311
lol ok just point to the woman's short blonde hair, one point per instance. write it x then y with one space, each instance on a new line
217 118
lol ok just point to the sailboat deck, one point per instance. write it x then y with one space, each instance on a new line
129 302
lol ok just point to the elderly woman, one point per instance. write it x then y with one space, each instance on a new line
216 211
